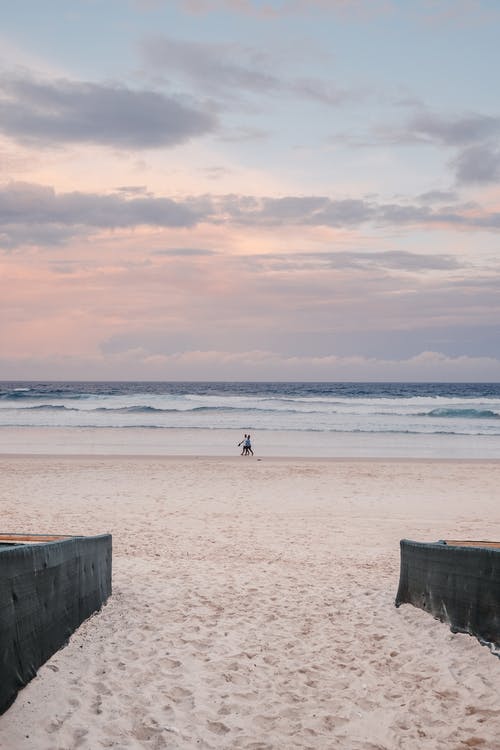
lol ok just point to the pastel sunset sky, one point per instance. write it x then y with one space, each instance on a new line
250 190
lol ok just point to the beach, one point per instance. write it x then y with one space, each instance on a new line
253 604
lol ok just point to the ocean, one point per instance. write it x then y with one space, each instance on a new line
392 419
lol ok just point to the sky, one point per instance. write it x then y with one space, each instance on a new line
250 190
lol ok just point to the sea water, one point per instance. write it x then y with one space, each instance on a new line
322 419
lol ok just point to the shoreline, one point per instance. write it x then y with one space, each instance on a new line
189 458
223 443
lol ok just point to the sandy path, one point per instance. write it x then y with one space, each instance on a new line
253 606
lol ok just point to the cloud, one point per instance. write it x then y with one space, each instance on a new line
471 138
376 263
187 252
457 131
133 190
344 213
211 65
116 298
455 340
240 135
36 214
321 92
36 204
62 111
437 196
474 138
478 164
389 259
254 365
294 210
227 70
428 127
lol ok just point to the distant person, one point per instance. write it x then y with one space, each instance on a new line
247 446
244 450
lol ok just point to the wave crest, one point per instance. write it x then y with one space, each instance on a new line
462 413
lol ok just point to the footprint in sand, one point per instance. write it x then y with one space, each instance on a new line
101 687
96 705
266 722
79 736
146 732
178 694
475 742
54 725
217 727
170 663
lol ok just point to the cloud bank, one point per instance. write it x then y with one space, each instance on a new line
31 212
257 365
54 112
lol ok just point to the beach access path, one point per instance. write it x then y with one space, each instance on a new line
253 605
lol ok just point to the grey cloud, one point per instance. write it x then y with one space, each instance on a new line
437 196
290 209
344 213
179 252
323 211
36 213
320 91
13 235
214 173
133 190
239 135
394 213
225 70
390 260
396 260
457 131
314 312
489 221
309 210
426 127
385 260
41 205
478 164
62 111
212 65
474 137
453 340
